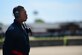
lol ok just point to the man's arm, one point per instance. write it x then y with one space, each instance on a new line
16 42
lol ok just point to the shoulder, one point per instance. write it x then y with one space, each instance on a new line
11 28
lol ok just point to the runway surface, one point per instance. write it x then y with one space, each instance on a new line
55 50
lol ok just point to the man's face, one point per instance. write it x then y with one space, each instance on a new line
23 15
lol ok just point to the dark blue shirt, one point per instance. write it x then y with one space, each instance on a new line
16 38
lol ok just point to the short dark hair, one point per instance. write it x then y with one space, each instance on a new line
17 10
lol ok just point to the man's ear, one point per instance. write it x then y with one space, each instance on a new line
17 14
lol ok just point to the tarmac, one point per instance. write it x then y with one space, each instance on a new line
55 50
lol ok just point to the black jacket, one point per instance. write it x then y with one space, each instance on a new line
16 38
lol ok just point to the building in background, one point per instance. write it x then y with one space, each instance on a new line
56 29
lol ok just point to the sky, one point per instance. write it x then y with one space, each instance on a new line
51 11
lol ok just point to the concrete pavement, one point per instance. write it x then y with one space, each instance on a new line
55 50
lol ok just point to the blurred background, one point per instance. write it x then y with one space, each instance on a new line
56 25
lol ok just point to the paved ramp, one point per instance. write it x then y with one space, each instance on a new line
56 50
